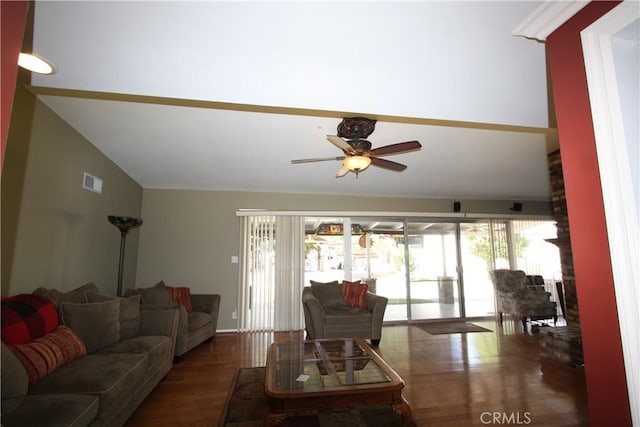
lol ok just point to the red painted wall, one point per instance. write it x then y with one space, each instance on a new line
13 16
604 364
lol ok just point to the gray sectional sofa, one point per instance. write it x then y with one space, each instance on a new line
128 352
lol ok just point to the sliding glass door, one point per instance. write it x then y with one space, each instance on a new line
382 263
428 269
477 260
433 278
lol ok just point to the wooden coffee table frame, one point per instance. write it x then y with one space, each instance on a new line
283 402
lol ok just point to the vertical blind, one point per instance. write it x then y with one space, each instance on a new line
535 234
289 273
499 245
272 273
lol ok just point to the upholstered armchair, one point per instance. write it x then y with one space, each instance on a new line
327 314
520 296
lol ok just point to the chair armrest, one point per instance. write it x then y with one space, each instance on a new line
159 322
312 303
313 314
207 303
376 304
183 317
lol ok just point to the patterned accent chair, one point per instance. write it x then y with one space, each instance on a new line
521 296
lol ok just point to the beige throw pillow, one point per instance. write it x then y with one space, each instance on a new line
129 312
157 295
97 324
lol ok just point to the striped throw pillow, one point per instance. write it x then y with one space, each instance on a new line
354 293
44 355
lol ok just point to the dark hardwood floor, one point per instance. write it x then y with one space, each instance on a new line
485 378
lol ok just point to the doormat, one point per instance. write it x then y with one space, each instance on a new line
246 406
451 328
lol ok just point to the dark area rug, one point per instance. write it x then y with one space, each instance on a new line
246 406
451 328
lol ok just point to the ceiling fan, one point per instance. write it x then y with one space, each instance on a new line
358 154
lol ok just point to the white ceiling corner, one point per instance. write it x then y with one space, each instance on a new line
547 18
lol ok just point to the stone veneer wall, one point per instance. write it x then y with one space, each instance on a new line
572 316
563 344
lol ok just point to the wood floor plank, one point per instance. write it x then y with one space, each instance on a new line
451 379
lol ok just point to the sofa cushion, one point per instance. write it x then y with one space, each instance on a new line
329 294
354 293
345 311
15 381
129 312
44 355
156 348
69 410
76 295
157 294
347 316
108 376
314 282
25 317
181 295
96 323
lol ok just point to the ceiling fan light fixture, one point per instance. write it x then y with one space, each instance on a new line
357 163
36 64
358 154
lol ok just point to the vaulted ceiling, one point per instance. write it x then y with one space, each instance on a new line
223 95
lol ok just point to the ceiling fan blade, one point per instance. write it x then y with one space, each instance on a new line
320 159
401 147
340 143
342 172
388 164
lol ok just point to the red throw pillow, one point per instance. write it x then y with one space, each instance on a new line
46 354
354 293
181 295
26 317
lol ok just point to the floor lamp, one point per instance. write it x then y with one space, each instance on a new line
124 224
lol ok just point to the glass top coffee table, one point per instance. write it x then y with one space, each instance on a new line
330 374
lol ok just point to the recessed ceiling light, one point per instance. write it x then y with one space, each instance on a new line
36 64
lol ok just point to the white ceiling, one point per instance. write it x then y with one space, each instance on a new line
223 95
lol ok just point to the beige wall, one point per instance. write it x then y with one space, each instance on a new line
189 237
55 233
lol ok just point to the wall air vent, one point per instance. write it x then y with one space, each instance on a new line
92 183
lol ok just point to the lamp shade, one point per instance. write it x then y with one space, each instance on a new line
124 223
357 163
